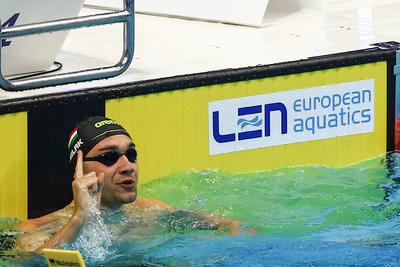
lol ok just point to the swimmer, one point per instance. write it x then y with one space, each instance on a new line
106 167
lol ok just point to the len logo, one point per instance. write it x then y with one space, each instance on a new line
266 110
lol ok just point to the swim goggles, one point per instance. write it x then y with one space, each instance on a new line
109 158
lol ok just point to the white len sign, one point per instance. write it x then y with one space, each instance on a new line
291 116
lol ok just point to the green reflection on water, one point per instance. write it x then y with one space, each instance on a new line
285 201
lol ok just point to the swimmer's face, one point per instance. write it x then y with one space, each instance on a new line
121 178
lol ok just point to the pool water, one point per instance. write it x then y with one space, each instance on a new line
300 216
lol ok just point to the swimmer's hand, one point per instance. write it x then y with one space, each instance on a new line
85 186
230 226
181 220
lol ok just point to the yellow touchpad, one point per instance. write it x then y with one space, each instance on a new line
63 258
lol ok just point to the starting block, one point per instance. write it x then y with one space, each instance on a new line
35 52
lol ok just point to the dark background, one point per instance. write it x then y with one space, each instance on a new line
49 172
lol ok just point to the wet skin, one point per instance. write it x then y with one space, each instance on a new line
120 180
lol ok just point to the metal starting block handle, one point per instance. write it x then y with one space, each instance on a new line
125 16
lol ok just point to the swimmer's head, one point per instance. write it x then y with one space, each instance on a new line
89 132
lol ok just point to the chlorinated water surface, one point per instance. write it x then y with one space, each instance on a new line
297 216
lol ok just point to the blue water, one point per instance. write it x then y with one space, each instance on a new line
190 250
302 216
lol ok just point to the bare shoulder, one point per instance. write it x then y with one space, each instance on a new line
146 203
31 224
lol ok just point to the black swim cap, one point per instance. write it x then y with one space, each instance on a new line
89 132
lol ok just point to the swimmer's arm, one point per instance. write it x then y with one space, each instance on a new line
230 226
29 225
32 238
195 219
67 233
29 239
82 184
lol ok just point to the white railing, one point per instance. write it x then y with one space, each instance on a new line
125 16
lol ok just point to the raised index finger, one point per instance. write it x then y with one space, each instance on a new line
79 165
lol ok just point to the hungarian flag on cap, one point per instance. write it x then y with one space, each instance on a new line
72 137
